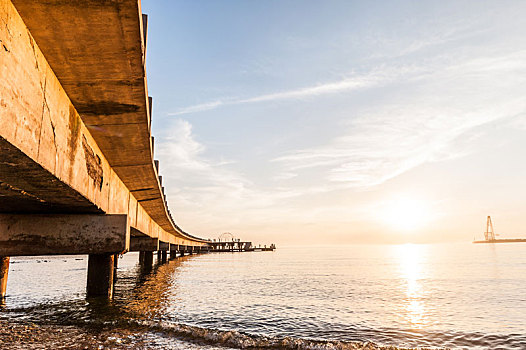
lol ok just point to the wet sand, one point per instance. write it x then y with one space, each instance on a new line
28 335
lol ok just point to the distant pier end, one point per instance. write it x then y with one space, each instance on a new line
226 242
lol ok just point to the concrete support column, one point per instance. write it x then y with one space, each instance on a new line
100 275
163 256
159 256
115 261
146 259
4 269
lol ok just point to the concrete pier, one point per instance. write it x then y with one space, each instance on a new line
77 169
100 275
4 269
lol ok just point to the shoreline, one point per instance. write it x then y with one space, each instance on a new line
30 335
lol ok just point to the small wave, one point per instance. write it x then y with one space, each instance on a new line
238 340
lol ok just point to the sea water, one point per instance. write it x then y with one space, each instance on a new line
330 297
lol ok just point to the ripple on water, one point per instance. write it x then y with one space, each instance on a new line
322 298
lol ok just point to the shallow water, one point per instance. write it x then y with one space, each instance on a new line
456 295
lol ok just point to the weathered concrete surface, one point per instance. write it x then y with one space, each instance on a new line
48 234
50 160
22 189
100 275
147 244
97 51
38 121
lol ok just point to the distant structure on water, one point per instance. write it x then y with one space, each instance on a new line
490 236
226 242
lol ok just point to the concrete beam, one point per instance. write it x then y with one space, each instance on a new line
143 244
52 234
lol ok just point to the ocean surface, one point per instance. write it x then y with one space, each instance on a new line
461 296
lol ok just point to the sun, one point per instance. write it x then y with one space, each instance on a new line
406 214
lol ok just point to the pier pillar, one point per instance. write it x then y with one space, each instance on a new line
163 256
146 259
115 261
173 251
100 275
4 269
159 256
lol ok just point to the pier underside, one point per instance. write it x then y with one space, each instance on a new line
77 174
27 187
97 51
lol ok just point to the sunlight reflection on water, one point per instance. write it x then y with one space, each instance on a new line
406 295
411 259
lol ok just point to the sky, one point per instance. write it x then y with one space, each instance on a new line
302 122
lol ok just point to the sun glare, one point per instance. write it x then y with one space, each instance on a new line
406 214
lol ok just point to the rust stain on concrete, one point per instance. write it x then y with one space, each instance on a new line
74 133
93 163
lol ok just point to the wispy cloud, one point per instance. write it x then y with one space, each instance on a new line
426 123
375 77
207 193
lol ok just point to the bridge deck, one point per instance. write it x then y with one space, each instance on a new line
96 49
75 138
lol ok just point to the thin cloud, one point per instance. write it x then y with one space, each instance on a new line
428 123
373 78
202 191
